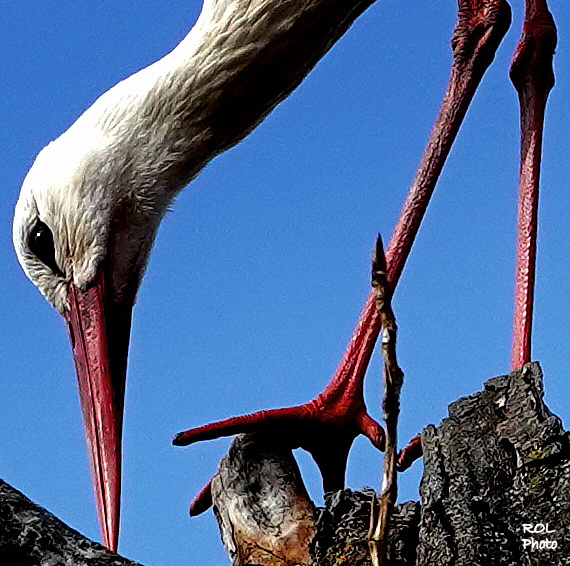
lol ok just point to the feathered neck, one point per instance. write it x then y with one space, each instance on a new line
166 122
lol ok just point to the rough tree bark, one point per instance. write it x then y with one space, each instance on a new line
495 470
30 536
498 467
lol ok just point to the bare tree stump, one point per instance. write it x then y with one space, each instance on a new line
496 478
495 491
31 536
499 462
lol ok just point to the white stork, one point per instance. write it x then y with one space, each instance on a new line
90 206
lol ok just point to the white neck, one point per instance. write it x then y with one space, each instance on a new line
240 59
104 185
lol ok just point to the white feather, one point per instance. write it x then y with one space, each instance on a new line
104 185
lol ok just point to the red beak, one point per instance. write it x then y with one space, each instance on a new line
99 331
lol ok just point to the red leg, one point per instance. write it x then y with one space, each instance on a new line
327 425
533 77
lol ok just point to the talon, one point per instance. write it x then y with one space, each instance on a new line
203 501
325 427
408 455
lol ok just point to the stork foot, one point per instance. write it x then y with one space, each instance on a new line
408 455
325 427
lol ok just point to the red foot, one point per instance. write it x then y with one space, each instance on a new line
326 427
412 452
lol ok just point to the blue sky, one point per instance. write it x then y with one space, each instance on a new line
260 271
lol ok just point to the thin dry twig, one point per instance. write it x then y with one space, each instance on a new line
393 380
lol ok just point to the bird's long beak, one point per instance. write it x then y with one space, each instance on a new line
99 331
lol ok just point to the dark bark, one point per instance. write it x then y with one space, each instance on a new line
342 534
499 462
31 536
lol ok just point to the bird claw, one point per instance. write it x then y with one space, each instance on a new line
408 455
325 427
372 429
203 501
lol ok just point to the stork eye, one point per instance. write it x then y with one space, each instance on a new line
41 245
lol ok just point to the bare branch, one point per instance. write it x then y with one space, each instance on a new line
393 380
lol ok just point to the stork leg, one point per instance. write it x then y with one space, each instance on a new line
327 425
533 77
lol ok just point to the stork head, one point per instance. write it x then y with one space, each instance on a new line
83 236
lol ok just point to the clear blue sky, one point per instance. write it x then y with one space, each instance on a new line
260 271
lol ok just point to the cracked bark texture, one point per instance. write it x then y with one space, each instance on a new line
342 535
31 536
500 461
263 509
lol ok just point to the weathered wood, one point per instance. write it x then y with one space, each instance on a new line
31 536
265 514
499 465
342 535
499 462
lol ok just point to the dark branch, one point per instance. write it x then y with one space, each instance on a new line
30 536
